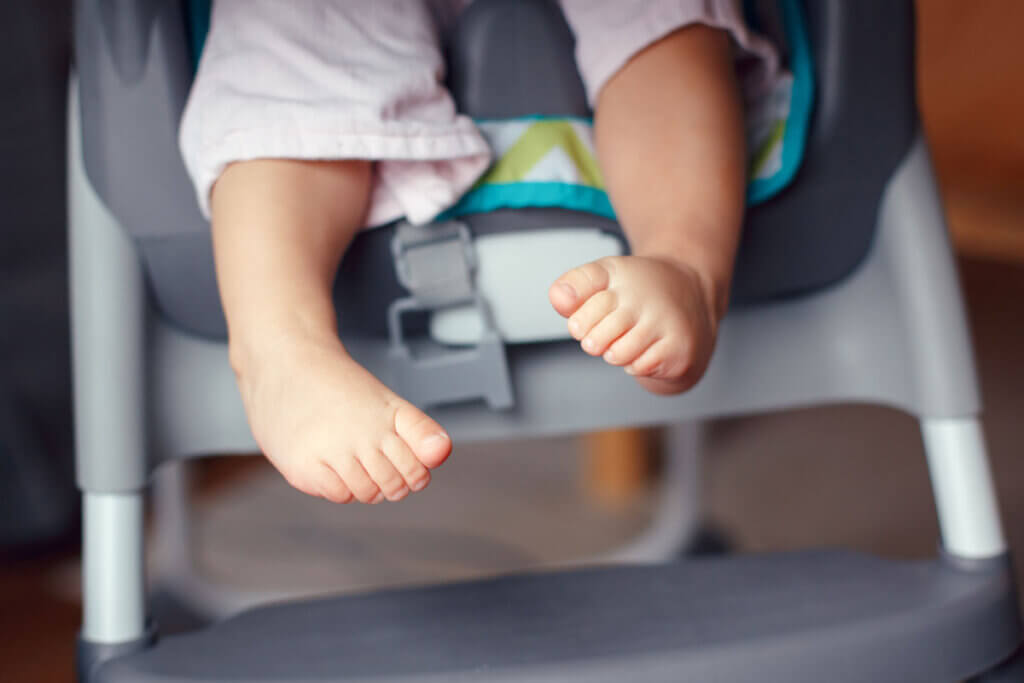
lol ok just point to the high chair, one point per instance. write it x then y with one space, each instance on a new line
845 290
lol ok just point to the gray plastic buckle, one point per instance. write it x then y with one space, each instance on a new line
437 264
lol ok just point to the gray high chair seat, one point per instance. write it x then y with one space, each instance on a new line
135 99
846 290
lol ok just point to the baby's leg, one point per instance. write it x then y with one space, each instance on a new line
331 428
308 80
670 141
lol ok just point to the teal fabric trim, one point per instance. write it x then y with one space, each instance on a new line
589 120
801 101
198 18
537 195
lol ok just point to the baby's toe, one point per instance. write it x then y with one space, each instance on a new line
663 360
573 288
332 487
384 474
613 326
357 479
414 473
426 439
593 311
627 348
650 361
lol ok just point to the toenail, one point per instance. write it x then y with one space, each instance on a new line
574 327
378 498
434 440
609 356
588 344
419 485
567 288
630 370
399 494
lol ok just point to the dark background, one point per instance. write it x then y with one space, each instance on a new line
36 497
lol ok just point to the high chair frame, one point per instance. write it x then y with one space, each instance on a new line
892 332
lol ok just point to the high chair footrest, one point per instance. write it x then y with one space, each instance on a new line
794 617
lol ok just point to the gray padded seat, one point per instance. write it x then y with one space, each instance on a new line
811 235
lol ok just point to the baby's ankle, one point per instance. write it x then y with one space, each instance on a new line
252 350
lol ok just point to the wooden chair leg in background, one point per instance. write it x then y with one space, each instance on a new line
620 464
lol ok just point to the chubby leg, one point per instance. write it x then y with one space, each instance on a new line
333 430
670 140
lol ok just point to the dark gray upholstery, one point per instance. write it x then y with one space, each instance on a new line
514 59
801 618
820 228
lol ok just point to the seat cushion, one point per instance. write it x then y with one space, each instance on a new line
800 617
807 237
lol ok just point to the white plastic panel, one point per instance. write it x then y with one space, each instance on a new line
514 273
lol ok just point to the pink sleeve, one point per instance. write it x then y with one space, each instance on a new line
333 79
610 32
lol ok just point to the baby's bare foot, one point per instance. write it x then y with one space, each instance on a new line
648 315
332 428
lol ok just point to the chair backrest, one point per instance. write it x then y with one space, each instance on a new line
134 69
816 231
820 228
